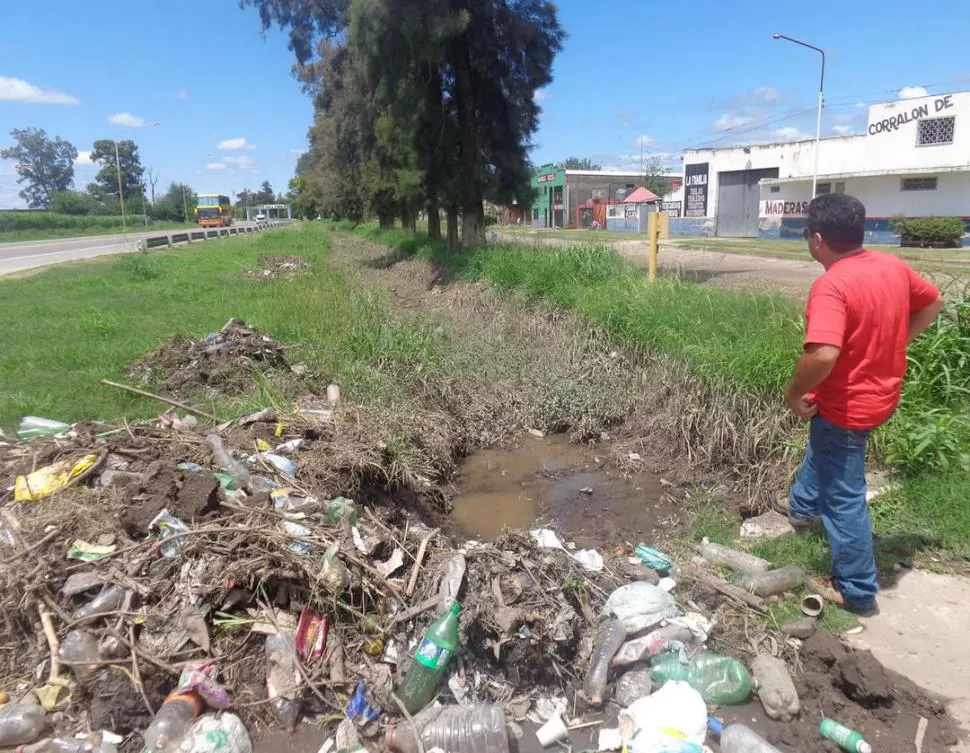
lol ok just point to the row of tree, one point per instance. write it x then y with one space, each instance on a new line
420 106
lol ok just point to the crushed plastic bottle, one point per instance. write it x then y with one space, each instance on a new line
79 648
451 580
21 723
70 745
773 581
478 728
283 679
608 641
775 687
738 738
845 737
667 638
236 470
430 661
633 686
173 721
725 556
721 680
107 601
32 427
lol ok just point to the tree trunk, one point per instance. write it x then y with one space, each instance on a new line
473 221
386 220
452 220
408 219
434 222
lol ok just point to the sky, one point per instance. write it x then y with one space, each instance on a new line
661 76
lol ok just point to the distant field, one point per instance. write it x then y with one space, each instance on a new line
35 226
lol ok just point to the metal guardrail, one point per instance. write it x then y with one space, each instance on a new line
204 234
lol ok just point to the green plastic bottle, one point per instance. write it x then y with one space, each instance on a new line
430 661
721 680
846 738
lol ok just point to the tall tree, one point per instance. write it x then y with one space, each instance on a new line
126 158
654 177
177 205
265 194
576 163
151 178
45 165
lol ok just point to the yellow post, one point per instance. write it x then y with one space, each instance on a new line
653 235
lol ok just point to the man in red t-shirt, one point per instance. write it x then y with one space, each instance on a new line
861 315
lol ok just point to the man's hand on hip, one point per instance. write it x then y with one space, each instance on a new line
800 405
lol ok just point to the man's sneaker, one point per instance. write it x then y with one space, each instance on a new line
863 612
825 587
801 525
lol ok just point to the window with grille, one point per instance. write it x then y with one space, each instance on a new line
918 184
823 188
840 186
935 131
775 189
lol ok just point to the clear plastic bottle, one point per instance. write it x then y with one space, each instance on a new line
173 721
738 738
455 729
845 737
32 427
656 642
608 641
69 745
107 601
430 661
721 680
21 723
283 679
225 461
775 687
773 581
725 556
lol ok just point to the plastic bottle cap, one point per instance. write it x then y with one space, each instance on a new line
715 725
456 608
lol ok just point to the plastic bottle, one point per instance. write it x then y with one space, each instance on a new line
738 738
430 661
68 745
608 641
846 738
451 580
32 427
775 687
725 556
21 723
721 680
173 721
455 729
283 679
106 601
238 472
773 581
654 643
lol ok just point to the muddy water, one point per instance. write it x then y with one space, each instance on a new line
549 481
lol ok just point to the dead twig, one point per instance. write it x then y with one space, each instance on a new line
410 720
166 400
413 581
52 643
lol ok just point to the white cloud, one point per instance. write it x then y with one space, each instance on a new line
731 120
232 145
790 133
541 95
182 94
767 94
296 151
912 92
215 166
127 119
243 162
860 105
843 129
83 158
18 90
644 141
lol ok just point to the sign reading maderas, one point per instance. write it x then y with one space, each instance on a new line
887 125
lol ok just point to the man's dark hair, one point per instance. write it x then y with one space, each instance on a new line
839 219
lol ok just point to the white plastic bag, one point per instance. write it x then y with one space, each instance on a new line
640 605
224 733
676 711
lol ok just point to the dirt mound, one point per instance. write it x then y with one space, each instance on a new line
221 363
271 267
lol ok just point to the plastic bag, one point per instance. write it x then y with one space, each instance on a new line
676 712
32 427
224 733
640 605
51 478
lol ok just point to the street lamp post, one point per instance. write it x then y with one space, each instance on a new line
821 99
121 191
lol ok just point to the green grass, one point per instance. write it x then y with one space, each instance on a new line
69 326
33 226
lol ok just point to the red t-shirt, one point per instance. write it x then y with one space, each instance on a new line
862 304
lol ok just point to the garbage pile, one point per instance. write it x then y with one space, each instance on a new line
220 364
275 266
168 587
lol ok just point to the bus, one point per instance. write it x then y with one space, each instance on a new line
214 210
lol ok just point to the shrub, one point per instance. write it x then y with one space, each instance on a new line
490 219
947 231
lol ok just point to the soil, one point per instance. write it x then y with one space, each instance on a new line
188 496
114 704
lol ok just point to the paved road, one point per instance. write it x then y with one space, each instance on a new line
21 255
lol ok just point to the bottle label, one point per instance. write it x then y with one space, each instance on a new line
431 655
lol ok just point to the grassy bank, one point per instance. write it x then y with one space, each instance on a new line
35 226
747 344
100 315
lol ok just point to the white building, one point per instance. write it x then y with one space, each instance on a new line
913 159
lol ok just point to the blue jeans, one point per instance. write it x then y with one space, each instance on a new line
831 483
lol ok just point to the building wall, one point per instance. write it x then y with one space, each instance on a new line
549 185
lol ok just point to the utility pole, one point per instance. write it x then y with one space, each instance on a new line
185 207
121 192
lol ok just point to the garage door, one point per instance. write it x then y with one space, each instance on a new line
738 197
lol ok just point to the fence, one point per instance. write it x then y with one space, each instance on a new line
204 234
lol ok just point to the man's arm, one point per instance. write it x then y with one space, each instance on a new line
815 364
920 320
